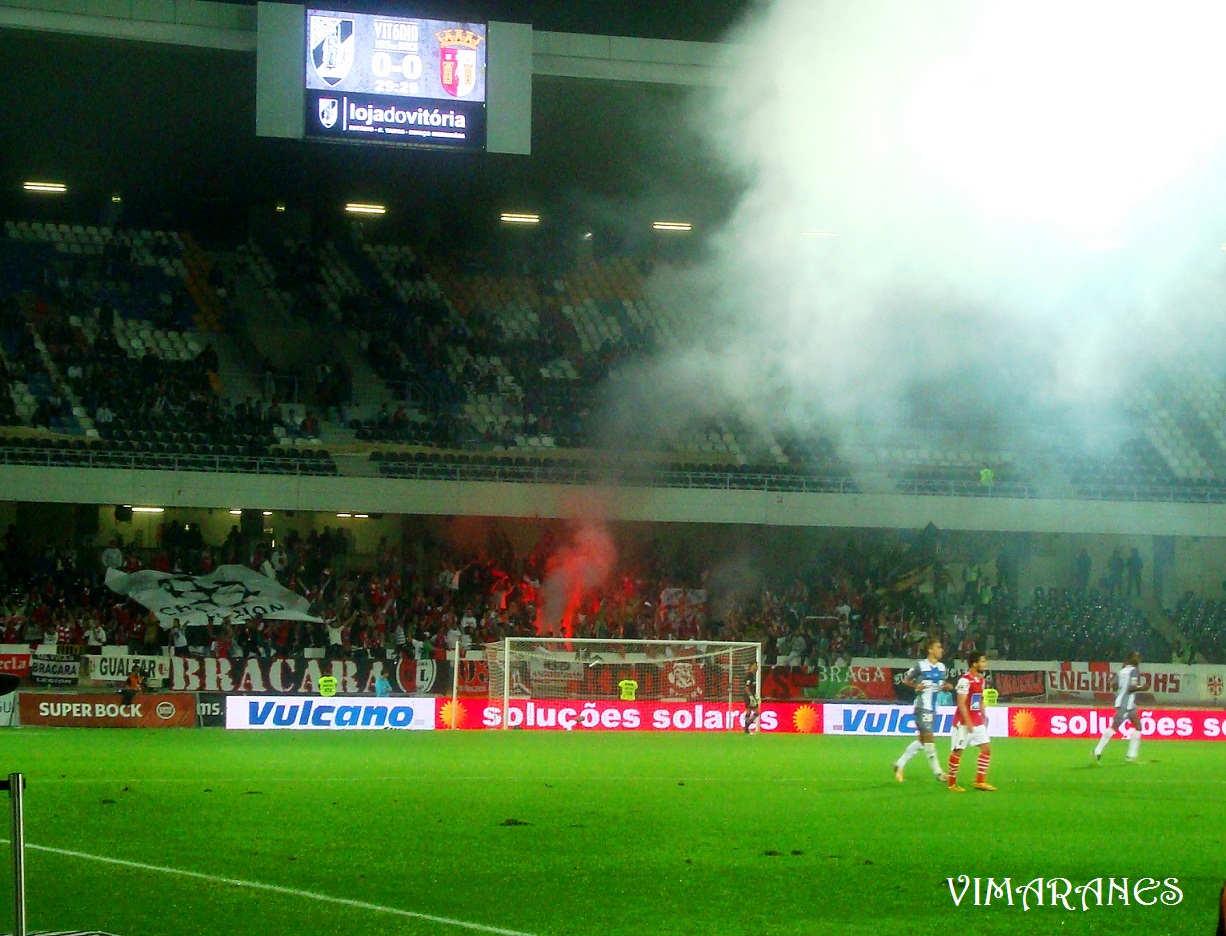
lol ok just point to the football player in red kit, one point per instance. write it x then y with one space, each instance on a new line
970 725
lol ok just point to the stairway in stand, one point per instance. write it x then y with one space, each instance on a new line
210 311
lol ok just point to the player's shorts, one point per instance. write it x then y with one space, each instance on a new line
1125 715
964 736
924 720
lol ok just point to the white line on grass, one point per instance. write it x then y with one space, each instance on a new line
276 889
855 779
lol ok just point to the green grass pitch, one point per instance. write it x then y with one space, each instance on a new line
672 834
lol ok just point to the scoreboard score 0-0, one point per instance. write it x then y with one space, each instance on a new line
395 79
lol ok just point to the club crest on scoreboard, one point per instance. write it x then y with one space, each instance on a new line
329 110
333 45
457 60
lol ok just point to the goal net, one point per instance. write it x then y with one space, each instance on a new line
587 670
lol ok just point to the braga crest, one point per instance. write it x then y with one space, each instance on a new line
457 60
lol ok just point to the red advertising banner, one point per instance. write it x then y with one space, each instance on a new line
15 664
108 710
1087 724
570 715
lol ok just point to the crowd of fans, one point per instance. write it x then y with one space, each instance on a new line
1202 621
423 597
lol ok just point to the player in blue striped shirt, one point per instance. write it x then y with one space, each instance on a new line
927 677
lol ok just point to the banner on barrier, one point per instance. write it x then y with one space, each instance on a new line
8 705
571 715
86 710
117 668
55 669
210 710
15 664
898 720
301 675
861 679
1164 682
1012 685
1088 724
332 713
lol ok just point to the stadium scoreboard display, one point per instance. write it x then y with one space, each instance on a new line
395 79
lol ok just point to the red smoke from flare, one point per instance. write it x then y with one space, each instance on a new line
576 569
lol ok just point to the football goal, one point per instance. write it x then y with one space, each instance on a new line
589 670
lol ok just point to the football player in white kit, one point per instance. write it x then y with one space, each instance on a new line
927 678
1125 710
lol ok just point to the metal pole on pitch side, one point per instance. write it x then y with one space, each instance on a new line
455 689
15 784
729 722
506 681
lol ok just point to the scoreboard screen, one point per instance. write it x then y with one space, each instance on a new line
395 79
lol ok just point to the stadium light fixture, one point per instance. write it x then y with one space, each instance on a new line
671 226
361 516
267 513
148 510
281 206
345 515
116 199
45 188
518 217
365 208
236 513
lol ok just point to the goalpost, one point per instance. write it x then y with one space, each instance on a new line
591 670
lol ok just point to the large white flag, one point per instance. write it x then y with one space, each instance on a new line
232 590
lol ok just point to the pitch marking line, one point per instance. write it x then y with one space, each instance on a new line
276 889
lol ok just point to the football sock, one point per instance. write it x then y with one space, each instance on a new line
930 752
1102 744
910 752
981 774
955 758
1134 743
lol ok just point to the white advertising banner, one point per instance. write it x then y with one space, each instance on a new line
899 720
328 713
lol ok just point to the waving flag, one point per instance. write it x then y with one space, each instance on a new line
231 590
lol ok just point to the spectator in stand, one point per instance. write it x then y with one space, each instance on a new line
966 647
151 643
178 638
336 639
112 556
1082 565
1134 566
1115 574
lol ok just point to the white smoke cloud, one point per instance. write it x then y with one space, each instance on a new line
1019 204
